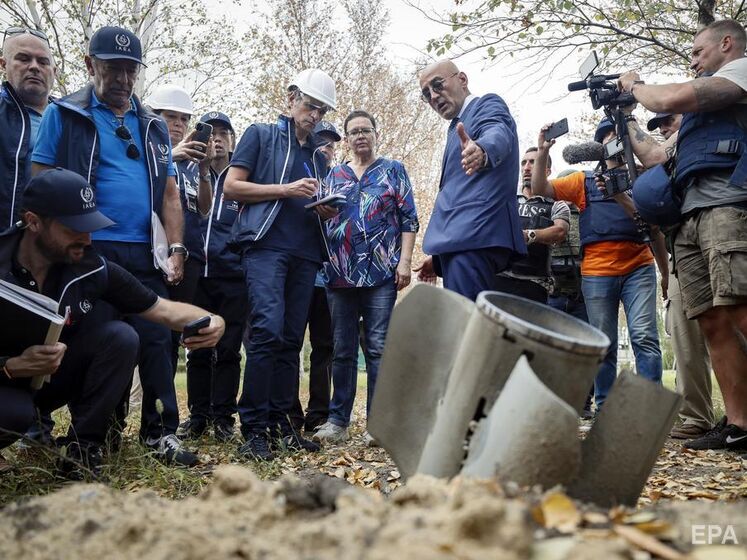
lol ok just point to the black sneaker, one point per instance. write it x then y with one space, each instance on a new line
256 447
169 450
290 440
722 436
80 462
223 431
191 428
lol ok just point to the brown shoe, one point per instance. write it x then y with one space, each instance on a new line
687 431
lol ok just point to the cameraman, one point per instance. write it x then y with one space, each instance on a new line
545 223
617 265
710 243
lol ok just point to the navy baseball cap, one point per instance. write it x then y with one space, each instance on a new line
326 127
111 43
67 197
218 117
654 123
604 126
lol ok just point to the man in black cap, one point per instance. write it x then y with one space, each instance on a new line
319 323
667 123
328 133
92 365
105 134
30 71
213 377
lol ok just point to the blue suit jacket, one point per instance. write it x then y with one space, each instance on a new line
479 211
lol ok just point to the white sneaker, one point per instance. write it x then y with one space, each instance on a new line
331 433
370 440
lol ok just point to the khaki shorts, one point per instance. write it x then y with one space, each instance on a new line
710 253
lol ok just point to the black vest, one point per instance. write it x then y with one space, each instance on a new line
78 149
14 153
535 213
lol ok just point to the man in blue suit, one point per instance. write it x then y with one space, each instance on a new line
474 231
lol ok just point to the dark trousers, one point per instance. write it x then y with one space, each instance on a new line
154 359
93 376
470 272
213 375
521 287
185 292
17 413
279 286
320 365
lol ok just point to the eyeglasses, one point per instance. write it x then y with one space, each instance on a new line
311 107
361 132
11 31
436 85
124 133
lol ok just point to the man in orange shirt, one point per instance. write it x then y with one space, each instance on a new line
617 265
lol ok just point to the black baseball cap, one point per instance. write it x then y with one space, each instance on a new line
111 43
217 117
67 197
654 123
326 127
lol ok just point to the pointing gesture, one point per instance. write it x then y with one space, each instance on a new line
473 156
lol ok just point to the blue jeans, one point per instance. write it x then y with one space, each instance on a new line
573 306
637 291
347 306
280 287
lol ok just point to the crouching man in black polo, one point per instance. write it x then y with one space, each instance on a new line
92 365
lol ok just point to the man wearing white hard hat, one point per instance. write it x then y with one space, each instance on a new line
275 172
192 159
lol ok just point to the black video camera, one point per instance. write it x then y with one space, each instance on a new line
602 88
616 181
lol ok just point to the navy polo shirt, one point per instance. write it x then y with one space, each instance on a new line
122 184
295 229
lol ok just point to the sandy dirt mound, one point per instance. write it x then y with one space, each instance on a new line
241 517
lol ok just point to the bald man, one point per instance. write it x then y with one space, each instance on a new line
29 72
474 231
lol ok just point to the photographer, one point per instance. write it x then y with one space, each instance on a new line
544 223
710 241
617 264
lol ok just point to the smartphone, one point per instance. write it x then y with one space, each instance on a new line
192 329
557 129
203 132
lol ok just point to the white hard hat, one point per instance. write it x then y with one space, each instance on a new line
169 97
317 84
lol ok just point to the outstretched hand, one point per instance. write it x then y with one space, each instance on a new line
473 156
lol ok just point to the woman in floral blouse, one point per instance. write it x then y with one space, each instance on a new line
370 246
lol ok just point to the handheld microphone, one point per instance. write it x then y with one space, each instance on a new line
588 151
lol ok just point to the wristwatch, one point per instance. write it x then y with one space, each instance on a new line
205 177
3 361
531 236
178 249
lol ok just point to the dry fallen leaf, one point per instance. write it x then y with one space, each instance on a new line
647 543
557 511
